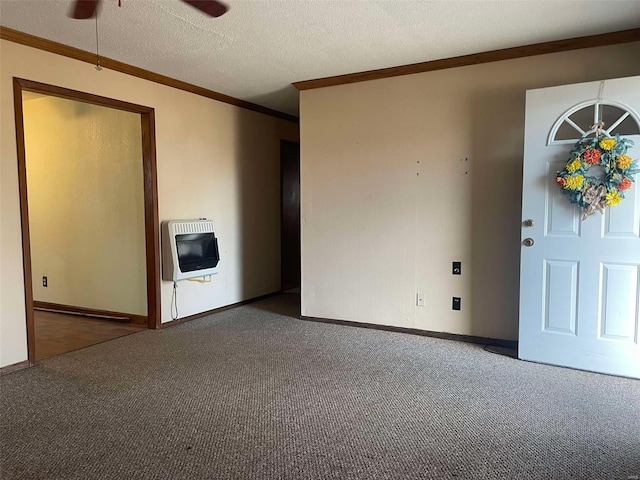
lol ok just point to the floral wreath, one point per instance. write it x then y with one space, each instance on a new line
590 193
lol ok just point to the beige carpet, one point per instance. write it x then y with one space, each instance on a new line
252 393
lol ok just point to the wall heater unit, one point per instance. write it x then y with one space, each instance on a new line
189 249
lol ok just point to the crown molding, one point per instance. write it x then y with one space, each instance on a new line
613 38
84 56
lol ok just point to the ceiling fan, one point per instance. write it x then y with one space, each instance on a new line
88 8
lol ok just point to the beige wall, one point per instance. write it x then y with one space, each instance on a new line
86 204
402 176
214 160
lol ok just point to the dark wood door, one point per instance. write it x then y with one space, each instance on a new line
290 214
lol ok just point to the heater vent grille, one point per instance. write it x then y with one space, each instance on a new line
198 226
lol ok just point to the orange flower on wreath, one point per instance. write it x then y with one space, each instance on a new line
562 182
624 161
625 184
592 157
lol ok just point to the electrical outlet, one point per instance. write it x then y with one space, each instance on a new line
457 268
456 303
44 281
421 299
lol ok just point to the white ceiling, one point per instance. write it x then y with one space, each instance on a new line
259 47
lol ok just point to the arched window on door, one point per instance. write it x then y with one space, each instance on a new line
579 121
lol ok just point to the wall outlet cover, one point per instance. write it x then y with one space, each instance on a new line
456 304
421 299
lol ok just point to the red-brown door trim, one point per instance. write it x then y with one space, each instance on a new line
152 224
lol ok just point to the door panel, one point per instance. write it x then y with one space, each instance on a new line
580 280
624 221
562 220
561 296
619 293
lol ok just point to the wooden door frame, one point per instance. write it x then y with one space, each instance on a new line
152 225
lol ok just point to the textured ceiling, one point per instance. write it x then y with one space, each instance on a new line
256 50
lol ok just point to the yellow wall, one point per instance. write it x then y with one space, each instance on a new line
214 160
402 176
86 204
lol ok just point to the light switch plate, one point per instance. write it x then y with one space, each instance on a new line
457 268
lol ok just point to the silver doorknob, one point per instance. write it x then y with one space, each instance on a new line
528 223
528 242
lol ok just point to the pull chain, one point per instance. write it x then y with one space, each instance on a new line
98 66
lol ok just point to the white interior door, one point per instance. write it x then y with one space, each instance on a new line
580 280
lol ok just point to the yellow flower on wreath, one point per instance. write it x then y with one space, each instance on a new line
607 143
574 182
624 161
613 198
574 166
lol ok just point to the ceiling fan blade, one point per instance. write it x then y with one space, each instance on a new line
84 9
213 8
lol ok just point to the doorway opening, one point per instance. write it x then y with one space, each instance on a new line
290 216
88 199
